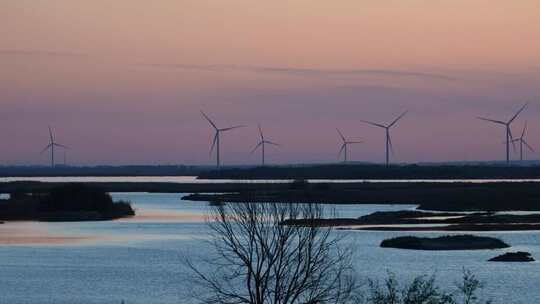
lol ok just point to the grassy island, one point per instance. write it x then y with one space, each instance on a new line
71 202
519 256
448 242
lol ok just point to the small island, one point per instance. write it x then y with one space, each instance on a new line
519 256
448 242
416 220
70 202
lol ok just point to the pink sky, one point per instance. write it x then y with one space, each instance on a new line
122 82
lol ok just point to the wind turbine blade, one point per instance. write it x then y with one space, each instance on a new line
524 130
51 134
209 120
256 147
272 143
528 146
355 142
512 139
45 149
373 124
396 120
61 146
341 150
261 133
341 135
492 120
517 113
214 142
230 128
514 146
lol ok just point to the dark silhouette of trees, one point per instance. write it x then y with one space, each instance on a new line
69 202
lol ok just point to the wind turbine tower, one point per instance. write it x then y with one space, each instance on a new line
345 144
389 147
216 141
262 144
509 138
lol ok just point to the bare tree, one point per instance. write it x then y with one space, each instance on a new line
260 260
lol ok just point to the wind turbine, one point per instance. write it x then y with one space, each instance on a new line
387 132
509 138
216 140
344 146
522 142
51 146
262 144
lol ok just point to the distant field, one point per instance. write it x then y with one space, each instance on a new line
377 172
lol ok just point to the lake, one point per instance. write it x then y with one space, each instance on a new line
139 260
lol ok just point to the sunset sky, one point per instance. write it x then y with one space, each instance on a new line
123 81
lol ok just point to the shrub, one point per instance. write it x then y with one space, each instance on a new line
423 290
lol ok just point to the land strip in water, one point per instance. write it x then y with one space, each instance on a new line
497 196
412 220
501 196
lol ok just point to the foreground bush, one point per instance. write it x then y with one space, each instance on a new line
423 290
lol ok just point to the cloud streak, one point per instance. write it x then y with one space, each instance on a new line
308 72
39 53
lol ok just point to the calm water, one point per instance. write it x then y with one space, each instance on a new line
193 179
140 260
